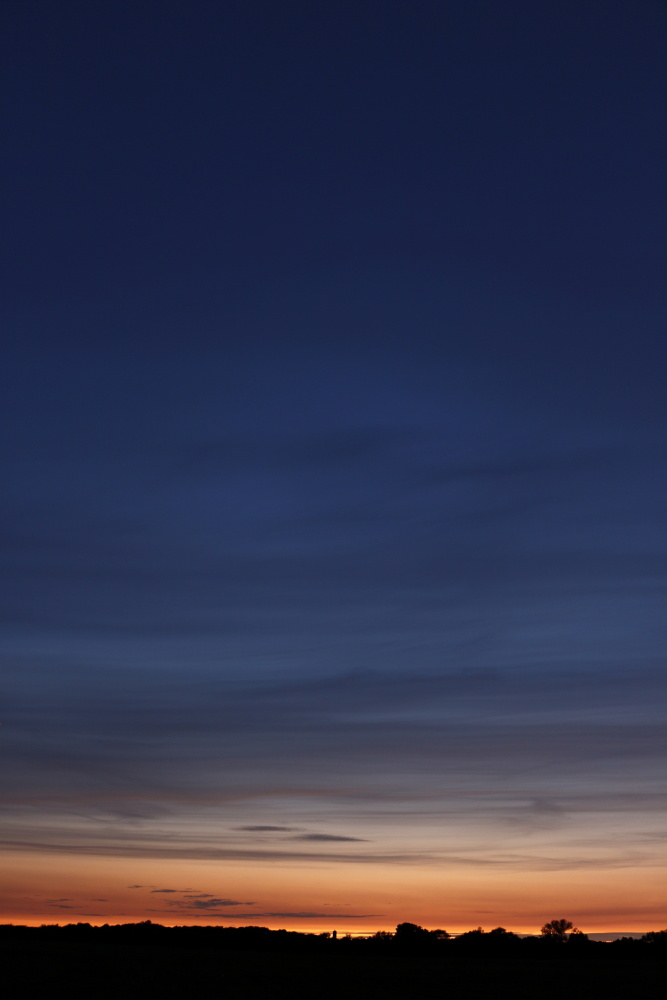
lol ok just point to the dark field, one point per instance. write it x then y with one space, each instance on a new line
77 969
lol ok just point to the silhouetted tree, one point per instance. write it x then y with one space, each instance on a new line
412 936
410 932
473 935
557 930
658 938
501 934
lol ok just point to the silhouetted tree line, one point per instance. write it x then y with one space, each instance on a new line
558 938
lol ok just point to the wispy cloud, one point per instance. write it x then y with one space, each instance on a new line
508 750
211 903
303 914
265 829
314 915
266 915
326 837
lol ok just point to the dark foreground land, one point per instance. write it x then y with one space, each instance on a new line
183 963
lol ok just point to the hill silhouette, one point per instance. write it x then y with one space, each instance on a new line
146 960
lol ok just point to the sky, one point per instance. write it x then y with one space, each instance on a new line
334 537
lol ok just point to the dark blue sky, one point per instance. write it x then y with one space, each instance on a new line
334 424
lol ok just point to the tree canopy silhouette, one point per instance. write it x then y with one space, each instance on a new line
558 929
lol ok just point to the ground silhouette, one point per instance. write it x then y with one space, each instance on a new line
147 960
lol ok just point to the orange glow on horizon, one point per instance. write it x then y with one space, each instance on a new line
55 888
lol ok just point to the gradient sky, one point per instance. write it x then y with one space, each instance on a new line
334 509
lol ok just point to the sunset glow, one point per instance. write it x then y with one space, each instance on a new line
333 521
